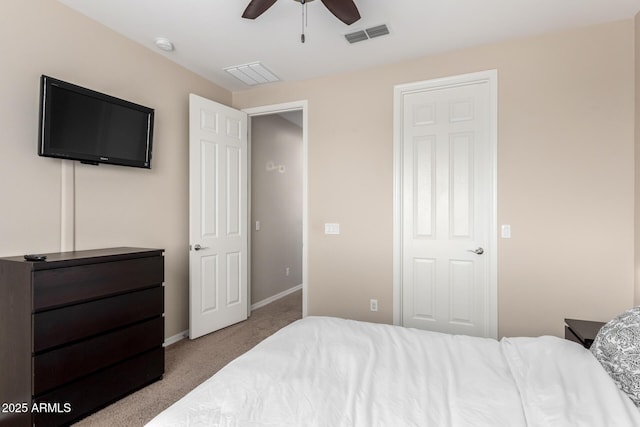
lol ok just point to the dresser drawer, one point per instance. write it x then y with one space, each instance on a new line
60 326
101 388
57 367
62 286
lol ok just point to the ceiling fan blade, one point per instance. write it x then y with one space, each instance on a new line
344 10
257 8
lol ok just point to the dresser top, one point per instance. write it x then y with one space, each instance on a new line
63 259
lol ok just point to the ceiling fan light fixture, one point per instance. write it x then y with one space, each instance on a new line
252 74
344 10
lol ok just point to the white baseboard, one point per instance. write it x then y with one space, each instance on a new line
177 337
184 334
275 297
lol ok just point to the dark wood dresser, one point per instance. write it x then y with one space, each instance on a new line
77 332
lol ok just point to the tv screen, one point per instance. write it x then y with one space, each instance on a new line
80 124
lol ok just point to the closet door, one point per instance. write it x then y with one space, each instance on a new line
447 209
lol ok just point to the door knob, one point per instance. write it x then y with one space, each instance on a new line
197 247
478 251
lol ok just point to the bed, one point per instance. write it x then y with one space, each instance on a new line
322 371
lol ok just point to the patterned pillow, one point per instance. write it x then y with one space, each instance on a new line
617 348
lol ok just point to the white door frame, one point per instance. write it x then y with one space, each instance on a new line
275 109
490 77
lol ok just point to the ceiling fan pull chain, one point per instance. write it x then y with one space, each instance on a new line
304 7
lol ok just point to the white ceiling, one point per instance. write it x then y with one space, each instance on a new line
210 35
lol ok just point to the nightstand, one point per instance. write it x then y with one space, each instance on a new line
582 331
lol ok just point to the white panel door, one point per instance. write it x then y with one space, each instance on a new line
218 187
447 209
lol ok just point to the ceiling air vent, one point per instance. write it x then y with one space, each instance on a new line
356 36
377 31
366 34
252 74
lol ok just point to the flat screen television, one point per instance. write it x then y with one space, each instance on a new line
77 123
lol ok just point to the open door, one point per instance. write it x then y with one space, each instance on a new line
218 206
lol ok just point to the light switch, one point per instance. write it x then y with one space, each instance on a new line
330 228
257 225
505 231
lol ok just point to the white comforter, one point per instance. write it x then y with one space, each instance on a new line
333 372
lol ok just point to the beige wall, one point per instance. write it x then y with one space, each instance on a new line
276 201
565 177
115 206
637 159
566 167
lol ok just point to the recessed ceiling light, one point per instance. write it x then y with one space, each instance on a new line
164 44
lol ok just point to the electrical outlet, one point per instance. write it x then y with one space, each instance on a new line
287 271
373 305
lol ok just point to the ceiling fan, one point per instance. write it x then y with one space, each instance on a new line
344 10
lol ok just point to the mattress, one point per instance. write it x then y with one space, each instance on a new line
322 371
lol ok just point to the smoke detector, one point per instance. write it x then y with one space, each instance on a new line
164 44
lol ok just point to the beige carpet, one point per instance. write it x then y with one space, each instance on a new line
188 363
